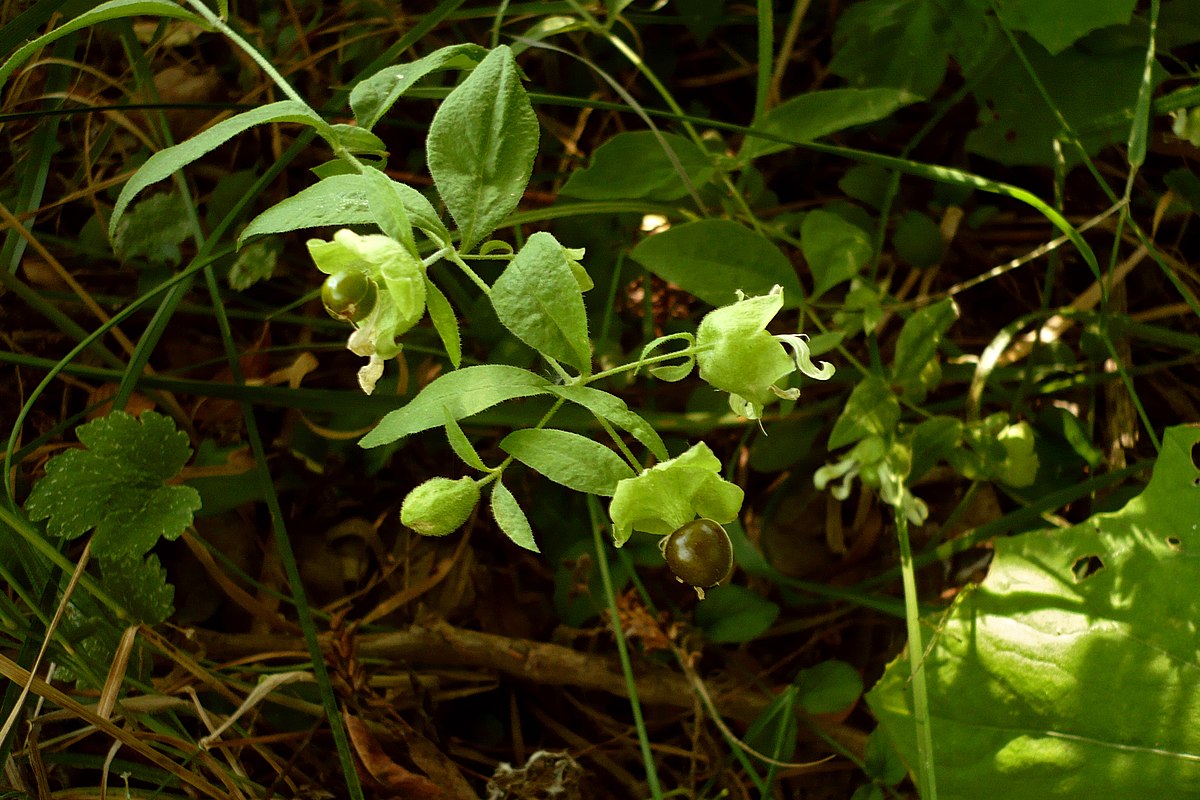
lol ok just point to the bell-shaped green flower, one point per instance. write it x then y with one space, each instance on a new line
673 493
440 505
400 277
737 355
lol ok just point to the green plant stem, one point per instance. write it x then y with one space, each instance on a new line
766 41
258 58
646 362
287 556
598 524
916 662
454 256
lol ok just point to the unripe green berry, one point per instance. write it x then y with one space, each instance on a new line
440 505
349 295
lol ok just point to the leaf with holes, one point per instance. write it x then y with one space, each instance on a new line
1071 670
117 486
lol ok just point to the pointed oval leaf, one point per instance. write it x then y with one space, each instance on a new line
461 445
835 249
538 298
165 162
511 518
816 114
634 166
481 146
714 258
460 393
575 461
374 96
444 321
340 200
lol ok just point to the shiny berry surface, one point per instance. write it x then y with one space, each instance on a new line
349 295
699 553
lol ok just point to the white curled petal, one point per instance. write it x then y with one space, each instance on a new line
798 344
370 374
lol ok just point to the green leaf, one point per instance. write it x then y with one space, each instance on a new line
253 264
933 440
816 114
829 687
374 96
461 393
1057 24
882 762
918 343
1071 670
358 141
153 230
462 446
116 9
481 146
613 409
871 409
891 43
511 518
339 201
140 586
538 298
1085 86
445 322
575 461
117 486
165 162
918 240
834 249
634 166
713 258
386 202
733 614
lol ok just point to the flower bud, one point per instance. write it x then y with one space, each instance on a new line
440 505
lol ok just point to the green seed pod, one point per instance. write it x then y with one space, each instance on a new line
699 553
350 295
440 505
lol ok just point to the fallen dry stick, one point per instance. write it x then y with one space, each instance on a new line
436 643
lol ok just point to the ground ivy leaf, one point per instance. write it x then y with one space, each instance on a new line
117 486
140 586
1070 671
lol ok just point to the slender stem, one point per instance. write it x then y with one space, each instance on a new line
614 618
766 39
257 57
645 362
470 273
916 661
625 451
